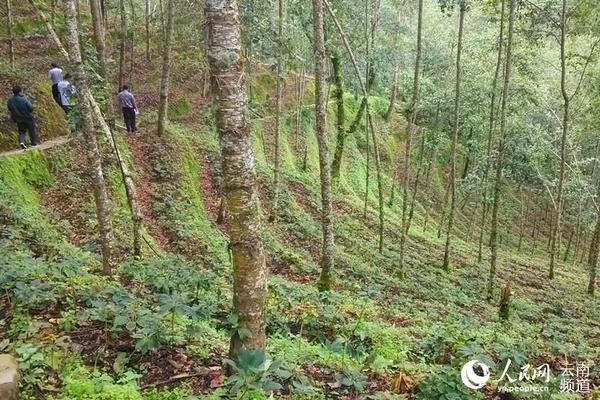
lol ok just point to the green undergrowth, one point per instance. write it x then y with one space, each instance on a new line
379 321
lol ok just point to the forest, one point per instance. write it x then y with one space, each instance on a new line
293 199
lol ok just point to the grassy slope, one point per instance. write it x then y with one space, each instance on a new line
371 327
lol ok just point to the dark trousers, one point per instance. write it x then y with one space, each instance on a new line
27 126
56 94
129 117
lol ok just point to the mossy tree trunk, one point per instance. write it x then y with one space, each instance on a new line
321 132
224 52
166 70
451 211
338 80
369 121
89 136
500 153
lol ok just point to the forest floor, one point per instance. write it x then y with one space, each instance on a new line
158 329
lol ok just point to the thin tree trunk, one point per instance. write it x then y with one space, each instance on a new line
130 189
224 52
415 190
577 233
556 227
443 216
280 81
500 156
51 30
393 95
446 263
11 34
491 128
340 117
166 70
324 162
89 135
147 22
522 222
364 102
414 106
101 54
132 43
364 89
123 43
379 178
593 256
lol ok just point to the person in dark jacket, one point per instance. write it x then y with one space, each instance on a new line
21 112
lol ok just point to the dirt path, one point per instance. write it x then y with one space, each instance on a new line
43 146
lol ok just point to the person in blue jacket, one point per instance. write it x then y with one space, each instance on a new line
21 112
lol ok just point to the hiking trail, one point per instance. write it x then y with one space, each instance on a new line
48 144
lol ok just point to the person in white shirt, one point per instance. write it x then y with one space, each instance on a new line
67 93
56 75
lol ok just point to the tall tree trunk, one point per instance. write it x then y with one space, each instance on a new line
101 54
491 128
340 116
556 227
446 263
280 81
321 131
500 156
593 256
166 70
224 52
577 233
11 34
132 44
123 43
50 30
393 95
414 106
147 23
522 222
89 135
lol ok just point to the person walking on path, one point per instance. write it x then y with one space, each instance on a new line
56 75
67 91
21 112
127 102
67 98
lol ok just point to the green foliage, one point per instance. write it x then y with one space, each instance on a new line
180 108
253 372
82 385
446 385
